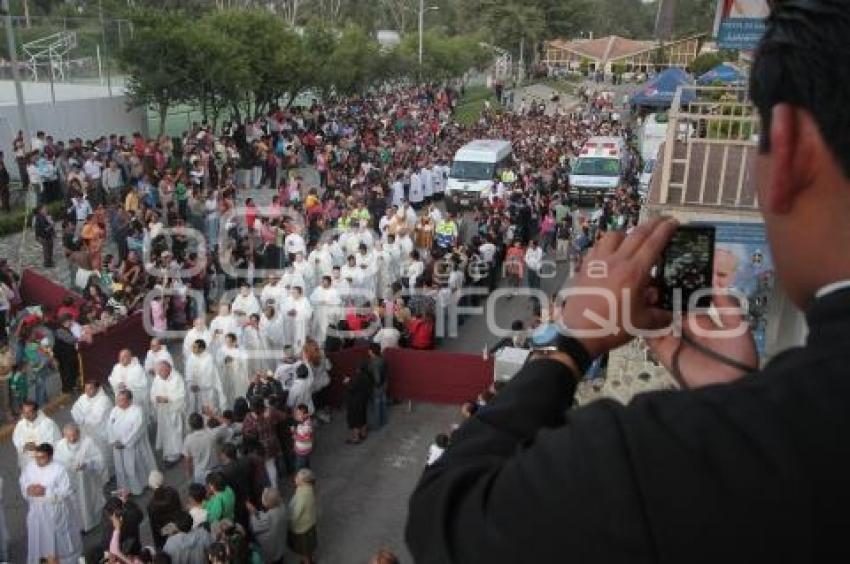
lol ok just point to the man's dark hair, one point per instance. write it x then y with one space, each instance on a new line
258 405
375 348
197 492
216 481
228 450
45 448
442 440
31 403
196 421
183 522
798 63
201 344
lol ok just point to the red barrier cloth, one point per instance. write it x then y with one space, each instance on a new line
99 356
436 376
427 376
37 289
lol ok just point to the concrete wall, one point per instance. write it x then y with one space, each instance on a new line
84 118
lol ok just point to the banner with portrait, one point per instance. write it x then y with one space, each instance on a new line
742 262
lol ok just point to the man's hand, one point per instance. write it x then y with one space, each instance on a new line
161 399
618 271
681 353
250 507
29 446
35 490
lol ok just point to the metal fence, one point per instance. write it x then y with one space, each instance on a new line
711 142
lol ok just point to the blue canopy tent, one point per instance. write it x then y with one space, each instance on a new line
659 92
725 73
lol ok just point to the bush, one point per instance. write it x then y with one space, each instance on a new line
13 221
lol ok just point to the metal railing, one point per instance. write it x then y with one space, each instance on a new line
712 138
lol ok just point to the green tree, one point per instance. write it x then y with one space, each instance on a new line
157 60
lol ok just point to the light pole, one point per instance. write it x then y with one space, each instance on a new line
422 25
16 76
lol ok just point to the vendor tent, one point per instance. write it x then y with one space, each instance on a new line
725 73
659 91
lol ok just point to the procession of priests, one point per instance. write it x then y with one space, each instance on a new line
115 431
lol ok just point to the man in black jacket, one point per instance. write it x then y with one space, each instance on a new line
45 232
744 465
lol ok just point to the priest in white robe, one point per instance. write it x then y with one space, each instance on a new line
256 356
168 396
271 332
416 195
156 354
200 331
128 374
298 313
53 524
87 470
327 309
321 261
245 301
131 449
271 292
223 324
234 373
91 413
33 429
368 264
203 381
303 269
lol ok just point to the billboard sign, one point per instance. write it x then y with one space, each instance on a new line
739 24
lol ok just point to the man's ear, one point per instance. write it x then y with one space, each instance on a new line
797 148
784 136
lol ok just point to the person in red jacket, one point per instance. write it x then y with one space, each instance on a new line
421 331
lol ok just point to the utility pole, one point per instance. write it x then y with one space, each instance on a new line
16 75
105 49
421 29
664 20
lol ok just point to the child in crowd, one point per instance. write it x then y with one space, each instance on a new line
195 504
302 437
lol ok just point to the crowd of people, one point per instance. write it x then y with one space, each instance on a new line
367 255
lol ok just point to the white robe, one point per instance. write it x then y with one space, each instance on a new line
53 524
134 462
92 415
42 430
416 193
307 274
337 254
248 305
256 353
189 340
202 371
271 331
153 358
327 309
321 261
169 415
226 324
132 377
88 474
427 178
297 315
234 374
398 193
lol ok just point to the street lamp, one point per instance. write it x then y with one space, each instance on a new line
422 25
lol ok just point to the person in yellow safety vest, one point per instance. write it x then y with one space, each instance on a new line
447 232
344 221
508 176
360 214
